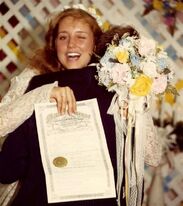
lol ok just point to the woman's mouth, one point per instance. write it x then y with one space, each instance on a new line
73 56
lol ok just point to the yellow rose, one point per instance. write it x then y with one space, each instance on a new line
142 86
157 4
169 98
122 56
179 85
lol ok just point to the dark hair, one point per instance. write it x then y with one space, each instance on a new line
108 36
178 131
45 59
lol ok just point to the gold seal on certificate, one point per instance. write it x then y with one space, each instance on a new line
60 162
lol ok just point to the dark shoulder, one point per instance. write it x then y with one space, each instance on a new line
64 78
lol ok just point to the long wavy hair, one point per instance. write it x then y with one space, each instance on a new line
45 59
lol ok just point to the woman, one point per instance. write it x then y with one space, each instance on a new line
16 106
72 44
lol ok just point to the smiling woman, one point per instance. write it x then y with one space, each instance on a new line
67 60
72 31
69 44
74 43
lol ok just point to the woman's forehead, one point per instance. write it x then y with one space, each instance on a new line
74 20
72 23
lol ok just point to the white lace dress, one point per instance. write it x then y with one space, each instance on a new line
15 108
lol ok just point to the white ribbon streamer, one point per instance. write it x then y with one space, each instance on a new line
130 140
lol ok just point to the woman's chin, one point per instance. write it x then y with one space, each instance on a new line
75 66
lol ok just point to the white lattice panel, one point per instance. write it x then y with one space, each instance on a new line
22 30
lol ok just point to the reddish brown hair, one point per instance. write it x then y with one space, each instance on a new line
45 60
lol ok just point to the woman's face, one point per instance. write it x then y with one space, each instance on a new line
74 43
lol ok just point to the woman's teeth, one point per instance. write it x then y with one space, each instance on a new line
73 55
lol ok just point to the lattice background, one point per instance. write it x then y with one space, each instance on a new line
22 29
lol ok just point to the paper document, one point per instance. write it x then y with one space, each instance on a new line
74 153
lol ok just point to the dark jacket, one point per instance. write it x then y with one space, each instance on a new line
20 156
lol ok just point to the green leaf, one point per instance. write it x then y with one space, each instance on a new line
166 71
172 90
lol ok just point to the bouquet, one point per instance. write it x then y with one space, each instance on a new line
135 69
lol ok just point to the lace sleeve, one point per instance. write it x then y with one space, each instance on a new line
153 147
16 106
18 85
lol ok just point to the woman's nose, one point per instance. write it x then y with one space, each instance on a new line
71 42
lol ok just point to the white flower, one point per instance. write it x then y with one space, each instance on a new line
146 46
126 43
107 56
104 75
149 69
119 73
159 84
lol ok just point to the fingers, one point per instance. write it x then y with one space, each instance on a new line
65 99
61 102
71 101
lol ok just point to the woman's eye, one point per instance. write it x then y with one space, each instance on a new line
62 37
81 37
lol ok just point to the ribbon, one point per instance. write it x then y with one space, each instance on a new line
130 136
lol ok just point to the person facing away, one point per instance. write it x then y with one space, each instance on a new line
28 148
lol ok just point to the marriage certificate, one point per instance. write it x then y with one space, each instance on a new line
74 153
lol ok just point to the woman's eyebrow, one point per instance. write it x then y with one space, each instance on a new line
81 32
62 32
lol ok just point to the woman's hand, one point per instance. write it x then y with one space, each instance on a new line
65 99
